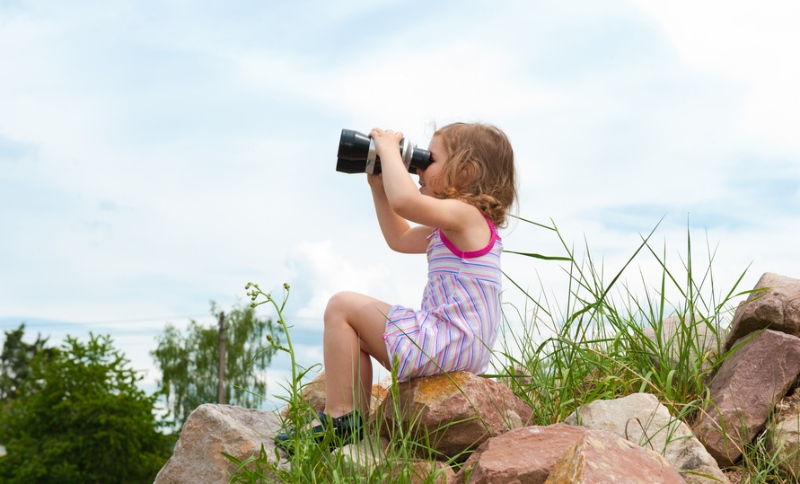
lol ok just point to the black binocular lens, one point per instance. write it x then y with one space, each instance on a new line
419 159
353 145
357 151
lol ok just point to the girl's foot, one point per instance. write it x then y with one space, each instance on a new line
337 432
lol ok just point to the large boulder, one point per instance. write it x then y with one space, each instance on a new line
453 412
602 457
641 419
522 455
211 430
745 390
774 304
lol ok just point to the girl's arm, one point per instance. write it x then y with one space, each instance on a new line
405 200
399 234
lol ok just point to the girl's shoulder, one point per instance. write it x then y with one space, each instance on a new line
475 235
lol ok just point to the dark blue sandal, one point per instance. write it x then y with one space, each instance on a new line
348 428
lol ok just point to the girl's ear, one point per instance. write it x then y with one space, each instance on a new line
465 175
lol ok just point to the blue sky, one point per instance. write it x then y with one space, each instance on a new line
155 156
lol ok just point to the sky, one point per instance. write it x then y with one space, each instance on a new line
158 155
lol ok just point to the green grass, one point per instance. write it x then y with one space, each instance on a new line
603 339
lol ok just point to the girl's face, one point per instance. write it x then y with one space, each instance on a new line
430 178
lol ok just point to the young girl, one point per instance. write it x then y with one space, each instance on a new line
463 197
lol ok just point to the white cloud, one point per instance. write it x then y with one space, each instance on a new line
321 271
752 43
159 155
455 81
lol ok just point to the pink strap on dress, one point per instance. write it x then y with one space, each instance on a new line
472 253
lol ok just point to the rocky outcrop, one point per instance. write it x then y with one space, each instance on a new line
630 439
211 430
641 419
455 412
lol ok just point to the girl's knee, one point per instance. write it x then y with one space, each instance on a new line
338 304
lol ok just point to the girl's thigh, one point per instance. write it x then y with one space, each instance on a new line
367 316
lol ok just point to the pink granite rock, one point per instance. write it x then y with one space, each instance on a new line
602 457
522 455
744 391
454 412
775 304
314 393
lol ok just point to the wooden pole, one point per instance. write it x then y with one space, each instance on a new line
221 386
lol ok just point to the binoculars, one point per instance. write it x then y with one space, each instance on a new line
357 154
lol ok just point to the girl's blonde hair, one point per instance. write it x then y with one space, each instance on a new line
480 168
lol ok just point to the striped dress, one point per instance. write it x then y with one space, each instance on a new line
460 316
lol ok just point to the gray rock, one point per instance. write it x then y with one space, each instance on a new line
367 453
784 441
698 338
783 436
641 419
211 430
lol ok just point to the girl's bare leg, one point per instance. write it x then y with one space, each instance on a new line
354 327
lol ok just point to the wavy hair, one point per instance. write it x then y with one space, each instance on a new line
480 168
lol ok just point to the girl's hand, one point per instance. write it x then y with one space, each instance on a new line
386 141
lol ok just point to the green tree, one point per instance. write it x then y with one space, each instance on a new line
15 360
80 417
189 362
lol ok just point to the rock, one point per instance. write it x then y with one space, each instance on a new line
454 413
745 390
775 304
789 406
783 438
367 457
211 430
641 419
314 394
421 471
522 455
677 333
784 441
380 391
601 457
366 454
